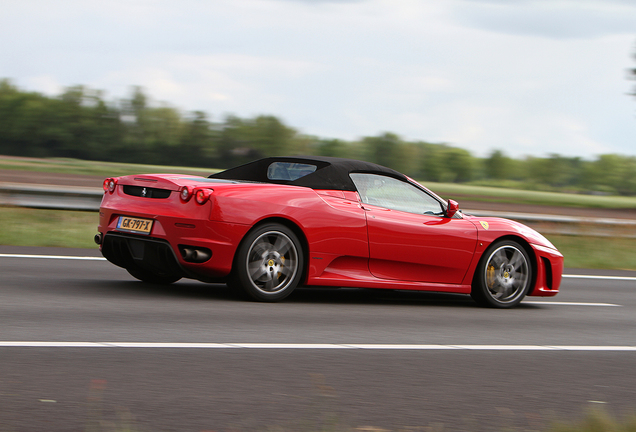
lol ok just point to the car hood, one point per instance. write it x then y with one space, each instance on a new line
501 226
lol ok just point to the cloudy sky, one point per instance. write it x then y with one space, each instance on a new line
529 77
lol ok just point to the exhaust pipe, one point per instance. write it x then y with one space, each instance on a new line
186 254
98 238
201 255
196 255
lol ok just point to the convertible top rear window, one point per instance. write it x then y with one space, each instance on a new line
289 170
316 172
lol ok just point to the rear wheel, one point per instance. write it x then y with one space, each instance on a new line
503 275
268 264
151 277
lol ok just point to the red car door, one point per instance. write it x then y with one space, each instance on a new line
409 238
410 247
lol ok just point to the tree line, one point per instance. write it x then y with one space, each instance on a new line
80 123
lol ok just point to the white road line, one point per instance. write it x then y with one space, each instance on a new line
83 258
421 347
571 303
627 278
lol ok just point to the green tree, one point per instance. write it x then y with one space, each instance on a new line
611 173
270 136
332 147
459 165
90 126
386 149
152 134
198 146
431 162
498 166
242 141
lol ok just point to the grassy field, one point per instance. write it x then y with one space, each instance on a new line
597 421
450 190
102 169
616 253
30 227
517 196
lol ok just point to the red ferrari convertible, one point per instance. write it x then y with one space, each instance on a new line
281 222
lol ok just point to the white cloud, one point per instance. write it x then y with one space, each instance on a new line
534 76
549 18
45 84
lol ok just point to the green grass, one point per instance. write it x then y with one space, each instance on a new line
616 253
447 190
32 227
597 421
103 169
518 196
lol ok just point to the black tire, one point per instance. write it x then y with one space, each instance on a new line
503 275
150 277
268 263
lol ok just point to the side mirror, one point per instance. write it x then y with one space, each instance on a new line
451 208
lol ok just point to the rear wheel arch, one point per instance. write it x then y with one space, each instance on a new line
288 230
292 226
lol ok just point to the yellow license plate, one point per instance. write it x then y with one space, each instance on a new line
135 225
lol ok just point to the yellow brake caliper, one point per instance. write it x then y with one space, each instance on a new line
490 276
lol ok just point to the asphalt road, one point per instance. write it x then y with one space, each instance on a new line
438 360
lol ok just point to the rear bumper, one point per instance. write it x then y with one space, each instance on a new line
162 250
148 254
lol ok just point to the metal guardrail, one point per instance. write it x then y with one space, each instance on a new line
572 225
88 199
50 196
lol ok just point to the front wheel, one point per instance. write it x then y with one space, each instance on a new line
503 275
269 263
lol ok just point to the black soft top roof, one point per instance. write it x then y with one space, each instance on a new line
331 173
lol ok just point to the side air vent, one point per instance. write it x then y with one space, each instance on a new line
548 272
146 192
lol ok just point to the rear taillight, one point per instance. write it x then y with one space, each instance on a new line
185 194
110 184
202 195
